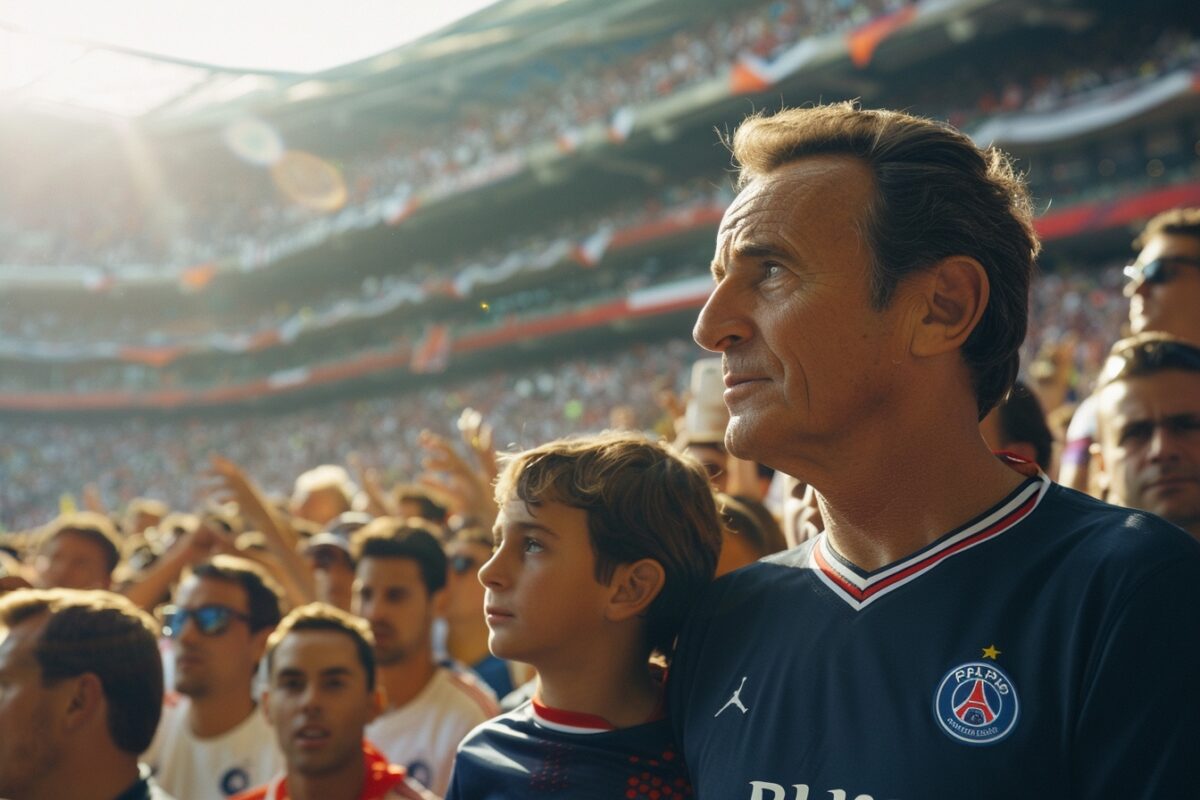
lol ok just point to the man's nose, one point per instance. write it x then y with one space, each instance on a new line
722 322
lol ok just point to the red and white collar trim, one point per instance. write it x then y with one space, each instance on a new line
860 591
568 721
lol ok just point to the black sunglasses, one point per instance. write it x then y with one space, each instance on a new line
461 564
1158 270
210 620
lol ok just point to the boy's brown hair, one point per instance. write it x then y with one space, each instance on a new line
642 500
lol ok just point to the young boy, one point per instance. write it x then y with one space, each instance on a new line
601 544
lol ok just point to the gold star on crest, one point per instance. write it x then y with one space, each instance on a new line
991 652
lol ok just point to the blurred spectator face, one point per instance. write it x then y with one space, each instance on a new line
1164 292
223 659
806 357
322 505
72 561
391 595
319 701
713 459
464 592
28 709
1150 445
333 573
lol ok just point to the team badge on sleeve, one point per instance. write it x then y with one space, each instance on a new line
976 703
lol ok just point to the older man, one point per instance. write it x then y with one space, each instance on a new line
959 629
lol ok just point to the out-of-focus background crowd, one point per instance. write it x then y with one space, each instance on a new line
246 312
328 264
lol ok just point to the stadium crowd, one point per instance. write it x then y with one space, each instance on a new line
432 593
346 597
325 631
191 215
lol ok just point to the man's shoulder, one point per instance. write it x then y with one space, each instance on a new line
518 723
462 694
1097 531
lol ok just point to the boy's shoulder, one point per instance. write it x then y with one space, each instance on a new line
559 751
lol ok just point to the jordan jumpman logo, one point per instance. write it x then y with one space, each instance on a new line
736 700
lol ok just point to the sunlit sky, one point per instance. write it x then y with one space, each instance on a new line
286 35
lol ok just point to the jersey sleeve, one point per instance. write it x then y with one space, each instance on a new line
1134 736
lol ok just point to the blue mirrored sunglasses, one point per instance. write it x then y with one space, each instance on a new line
1158 270
210 620
462 564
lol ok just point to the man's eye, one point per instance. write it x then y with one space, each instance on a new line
1187 425
533 546
1135 433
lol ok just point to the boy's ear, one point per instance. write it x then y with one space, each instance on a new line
951 297
635 586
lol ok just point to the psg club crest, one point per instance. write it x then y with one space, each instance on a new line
976 703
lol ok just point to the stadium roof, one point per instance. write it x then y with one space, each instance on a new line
185 61
78 55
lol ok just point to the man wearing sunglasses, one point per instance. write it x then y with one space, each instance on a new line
1164 293
466 627
213 742
1148 414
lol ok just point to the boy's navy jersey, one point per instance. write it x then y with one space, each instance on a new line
1048 649
538 752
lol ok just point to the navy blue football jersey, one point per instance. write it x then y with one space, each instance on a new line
538 752
1050 648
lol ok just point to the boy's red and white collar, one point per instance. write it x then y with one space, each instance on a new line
557 719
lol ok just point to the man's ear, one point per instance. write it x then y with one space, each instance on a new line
635 586
952 296
264 703
84 703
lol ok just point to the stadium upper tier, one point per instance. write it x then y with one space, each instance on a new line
519 211
145 209
1073 317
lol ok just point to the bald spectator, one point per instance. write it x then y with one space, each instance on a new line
322 493
80 695
1148 417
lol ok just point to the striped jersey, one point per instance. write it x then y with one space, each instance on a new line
535 751
1048 648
